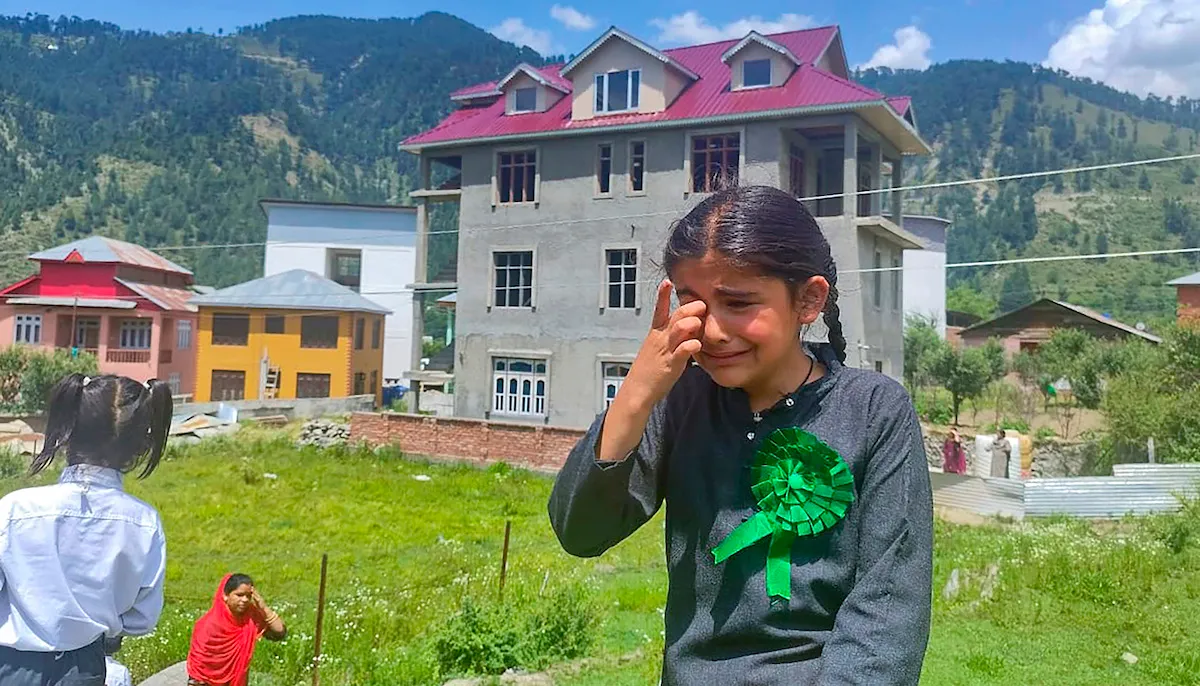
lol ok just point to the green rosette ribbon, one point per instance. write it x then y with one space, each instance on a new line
803 488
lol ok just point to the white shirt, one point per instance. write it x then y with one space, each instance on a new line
78 560
115 673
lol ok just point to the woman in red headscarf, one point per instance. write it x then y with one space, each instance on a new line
223 639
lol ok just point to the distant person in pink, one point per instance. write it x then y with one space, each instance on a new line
954 455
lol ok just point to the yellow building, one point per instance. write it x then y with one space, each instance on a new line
291 335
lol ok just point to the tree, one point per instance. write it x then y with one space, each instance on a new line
964 372
1188 175
963 298
1102 243
1144 181
921 346
1017 289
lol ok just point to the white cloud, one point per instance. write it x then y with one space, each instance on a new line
1142 46
514 30
910 51
690 28
572 18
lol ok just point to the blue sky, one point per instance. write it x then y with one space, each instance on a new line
1136 45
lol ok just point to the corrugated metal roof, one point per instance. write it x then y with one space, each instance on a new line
1078 309
1189 280
988 497
1150 489
900 103
70 301
104 249
297 289
170 299
708 97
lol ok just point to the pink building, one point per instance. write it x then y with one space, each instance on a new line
118 301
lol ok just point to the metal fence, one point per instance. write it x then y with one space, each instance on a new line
1133 489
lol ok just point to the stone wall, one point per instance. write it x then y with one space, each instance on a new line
523 445
1051 458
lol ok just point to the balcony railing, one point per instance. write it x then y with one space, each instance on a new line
128 356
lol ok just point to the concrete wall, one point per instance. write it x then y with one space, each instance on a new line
293 408
925 285
781 67
616 55
299 237
568 328
883 321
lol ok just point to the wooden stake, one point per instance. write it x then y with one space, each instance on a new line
316 674
504 557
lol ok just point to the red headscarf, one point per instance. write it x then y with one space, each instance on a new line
222 645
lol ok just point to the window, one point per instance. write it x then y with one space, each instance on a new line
228 385
360 333
376 333
274 323
513 285
614 375
877 285
517 176
756 73
28 329
374 382
230 329
796 171
174 383
183 334
318 331
345 267
879 366
312 385
604 170
360 383
618 91
622 277
525 99
520 386
135 334
896 278
715 162
637 166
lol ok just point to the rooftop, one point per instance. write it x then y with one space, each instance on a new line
809 90
1189 280
1067 310
297 289
108 250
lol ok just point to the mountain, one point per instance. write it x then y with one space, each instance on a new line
170 140
992 119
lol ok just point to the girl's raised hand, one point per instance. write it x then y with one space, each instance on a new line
673 338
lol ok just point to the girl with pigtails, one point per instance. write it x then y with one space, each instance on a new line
799 515
81 560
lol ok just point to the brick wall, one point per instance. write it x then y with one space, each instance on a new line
524 445
1189 303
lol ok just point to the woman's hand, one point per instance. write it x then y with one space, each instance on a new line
673 338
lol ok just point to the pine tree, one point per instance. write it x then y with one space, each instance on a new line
1144 181
1188 175
1017 289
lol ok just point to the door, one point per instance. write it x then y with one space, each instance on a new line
228 385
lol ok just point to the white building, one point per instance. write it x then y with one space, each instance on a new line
924 286
370 249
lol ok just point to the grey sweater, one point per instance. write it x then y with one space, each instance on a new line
861 592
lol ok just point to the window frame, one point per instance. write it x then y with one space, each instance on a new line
605 401
877 281
360 332
601 360
332 256
598 189
175 383
491 301
280 319
376 332
633 92
311 376
739 131
136 329
897 274
537 175
605 249
27 324
337 331
770 73
223 342
630 190
536 358
516 107
183 334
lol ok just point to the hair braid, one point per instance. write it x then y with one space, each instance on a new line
833 320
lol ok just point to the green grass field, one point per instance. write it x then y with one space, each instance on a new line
405 553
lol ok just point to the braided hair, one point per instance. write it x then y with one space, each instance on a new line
763 228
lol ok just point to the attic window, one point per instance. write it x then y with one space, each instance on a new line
525 99
618 91
756 73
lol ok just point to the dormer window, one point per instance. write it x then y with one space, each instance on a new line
525 99
756 73
618 91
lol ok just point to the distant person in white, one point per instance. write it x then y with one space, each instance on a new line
117 674
81 560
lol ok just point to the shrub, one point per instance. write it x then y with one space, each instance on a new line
934 410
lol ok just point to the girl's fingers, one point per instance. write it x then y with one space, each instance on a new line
662 305
685 350
684 329
695 308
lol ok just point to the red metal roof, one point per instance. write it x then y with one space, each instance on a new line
901 104
707 97
165 297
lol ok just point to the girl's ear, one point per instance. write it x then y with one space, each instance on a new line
810 299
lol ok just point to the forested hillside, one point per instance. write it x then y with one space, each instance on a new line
988 118
172 139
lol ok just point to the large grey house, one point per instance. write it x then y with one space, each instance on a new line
569 176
